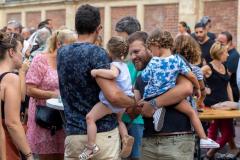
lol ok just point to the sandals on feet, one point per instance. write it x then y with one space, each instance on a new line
89 151
127 144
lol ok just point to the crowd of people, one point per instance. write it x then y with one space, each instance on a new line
136 99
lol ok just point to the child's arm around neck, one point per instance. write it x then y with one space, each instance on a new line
106 73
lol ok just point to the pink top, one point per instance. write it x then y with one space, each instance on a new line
44 77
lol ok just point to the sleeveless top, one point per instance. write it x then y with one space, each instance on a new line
2 102
217 82
11 151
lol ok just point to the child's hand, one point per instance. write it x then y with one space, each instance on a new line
141 102
197 93
208 90
94 73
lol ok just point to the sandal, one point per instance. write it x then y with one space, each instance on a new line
89 151
127 144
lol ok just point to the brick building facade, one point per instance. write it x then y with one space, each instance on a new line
151 13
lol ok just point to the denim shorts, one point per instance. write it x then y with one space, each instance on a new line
136 130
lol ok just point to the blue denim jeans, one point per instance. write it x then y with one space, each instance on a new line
136 130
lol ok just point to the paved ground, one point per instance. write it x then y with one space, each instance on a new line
224 150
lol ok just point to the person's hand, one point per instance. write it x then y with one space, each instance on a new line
133 112
28 51
30 158
208 90
147 108
197 93
94 73
25 66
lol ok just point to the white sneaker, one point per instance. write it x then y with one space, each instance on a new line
208 143
158 119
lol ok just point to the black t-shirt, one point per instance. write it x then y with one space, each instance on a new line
211 35
79 90
174 121
205 48
232 64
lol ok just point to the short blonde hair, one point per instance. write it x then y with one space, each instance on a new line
64 36
217 50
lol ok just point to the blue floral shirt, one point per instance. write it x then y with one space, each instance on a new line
79 91
161 74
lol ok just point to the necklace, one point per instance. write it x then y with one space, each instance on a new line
219 67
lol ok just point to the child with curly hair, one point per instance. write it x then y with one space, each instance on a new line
187 47
161 74
118 50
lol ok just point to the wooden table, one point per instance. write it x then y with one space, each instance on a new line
210 114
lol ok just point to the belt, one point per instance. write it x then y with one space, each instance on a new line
173 134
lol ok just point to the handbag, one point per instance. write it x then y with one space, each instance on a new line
48 118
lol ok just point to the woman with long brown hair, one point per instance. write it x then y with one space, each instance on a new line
10 60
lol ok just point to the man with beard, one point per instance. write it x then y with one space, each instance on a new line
204 41
175 140
225 38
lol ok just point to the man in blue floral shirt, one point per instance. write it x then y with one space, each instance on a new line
79 91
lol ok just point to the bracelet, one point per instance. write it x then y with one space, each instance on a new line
153 103
28 155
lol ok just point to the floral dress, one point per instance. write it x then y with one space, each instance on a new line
42 75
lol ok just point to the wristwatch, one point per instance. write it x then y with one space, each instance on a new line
153 103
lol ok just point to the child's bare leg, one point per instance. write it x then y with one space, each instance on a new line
121 126
187 109
127 141
98 111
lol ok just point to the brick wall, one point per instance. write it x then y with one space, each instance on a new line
223 15
102 21
33 19
15 16
58 17
162 16
119 12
